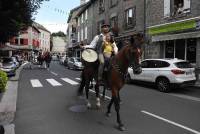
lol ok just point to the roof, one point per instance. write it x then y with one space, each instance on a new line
84 8
39 26
76 9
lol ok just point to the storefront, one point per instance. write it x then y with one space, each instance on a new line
180 39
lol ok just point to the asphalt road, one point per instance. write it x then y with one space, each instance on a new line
47 99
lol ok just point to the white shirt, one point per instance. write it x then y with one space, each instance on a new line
95 40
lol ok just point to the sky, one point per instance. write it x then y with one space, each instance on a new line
53 14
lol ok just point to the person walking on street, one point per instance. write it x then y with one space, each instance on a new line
48 59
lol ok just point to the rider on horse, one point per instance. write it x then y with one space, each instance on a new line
97 44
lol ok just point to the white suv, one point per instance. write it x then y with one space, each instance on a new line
165 73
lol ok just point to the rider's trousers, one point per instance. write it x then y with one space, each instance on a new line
101 66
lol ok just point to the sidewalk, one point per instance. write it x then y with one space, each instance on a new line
8 103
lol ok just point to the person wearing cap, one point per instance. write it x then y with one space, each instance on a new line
97 44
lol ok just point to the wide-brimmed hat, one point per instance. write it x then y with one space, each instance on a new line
105 25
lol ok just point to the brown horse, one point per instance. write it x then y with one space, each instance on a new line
127 56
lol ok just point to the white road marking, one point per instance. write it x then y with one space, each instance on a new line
171 122
36 83
54 73
70 81
78 78
186 97
53 82
107 97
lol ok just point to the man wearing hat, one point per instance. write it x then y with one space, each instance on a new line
97 43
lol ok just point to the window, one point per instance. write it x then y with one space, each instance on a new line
86 14
130 17
169 49
114 25
101 6
81 34
176 8
191 50
86 32
113 3
21 41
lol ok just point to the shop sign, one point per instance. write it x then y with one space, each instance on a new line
173 27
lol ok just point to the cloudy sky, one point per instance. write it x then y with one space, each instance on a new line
53 14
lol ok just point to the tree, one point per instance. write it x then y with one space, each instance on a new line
60 33
16 15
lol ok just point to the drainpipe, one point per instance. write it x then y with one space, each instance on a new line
145 36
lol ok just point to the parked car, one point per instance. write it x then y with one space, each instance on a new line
75 63
166 74
8 66
15 60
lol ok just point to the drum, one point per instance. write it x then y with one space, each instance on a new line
89 55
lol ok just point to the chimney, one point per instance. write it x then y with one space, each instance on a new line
82 1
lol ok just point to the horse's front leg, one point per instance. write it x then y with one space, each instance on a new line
98 104
108 113
117 108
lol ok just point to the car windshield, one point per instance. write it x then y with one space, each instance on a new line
77 60
183 64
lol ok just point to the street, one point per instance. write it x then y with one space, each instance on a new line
47 99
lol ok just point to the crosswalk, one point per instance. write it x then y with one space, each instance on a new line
36 83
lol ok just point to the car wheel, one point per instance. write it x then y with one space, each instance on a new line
128 79
163 84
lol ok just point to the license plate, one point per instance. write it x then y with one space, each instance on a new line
189 73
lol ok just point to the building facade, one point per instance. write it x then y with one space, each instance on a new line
173 29
44 37
125 17
72 32
59 45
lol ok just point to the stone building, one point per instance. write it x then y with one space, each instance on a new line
124 16
173 29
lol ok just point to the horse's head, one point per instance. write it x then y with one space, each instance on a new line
135 52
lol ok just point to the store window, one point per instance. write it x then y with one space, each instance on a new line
169 49
180 49
191 50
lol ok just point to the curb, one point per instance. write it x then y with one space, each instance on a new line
16 77
8 103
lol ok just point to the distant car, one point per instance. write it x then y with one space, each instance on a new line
75 63
8 66
15 60
165 73
62 59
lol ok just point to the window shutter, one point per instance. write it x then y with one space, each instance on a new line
166 8
186 6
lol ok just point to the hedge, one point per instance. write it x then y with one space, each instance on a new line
3 81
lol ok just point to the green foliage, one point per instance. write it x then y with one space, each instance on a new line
60 34
3 81
16 15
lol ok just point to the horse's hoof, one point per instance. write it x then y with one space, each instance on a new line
121 128
108 114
